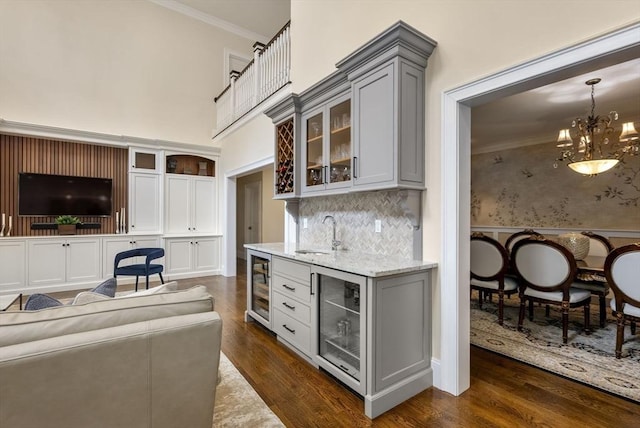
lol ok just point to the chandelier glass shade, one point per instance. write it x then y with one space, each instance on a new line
594 152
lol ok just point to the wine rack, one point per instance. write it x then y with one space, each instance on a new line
285 163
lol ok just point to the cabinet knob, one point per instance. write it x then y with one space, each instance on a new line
196 242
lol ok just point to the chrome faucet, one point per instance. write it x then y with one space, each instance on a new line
334 243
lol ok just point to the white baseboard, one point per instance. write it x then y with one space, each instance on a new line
437 373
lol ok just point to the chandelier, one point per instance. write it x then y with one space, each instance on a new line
594 152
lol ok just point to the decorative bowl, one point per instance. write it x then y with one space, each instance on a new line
577 243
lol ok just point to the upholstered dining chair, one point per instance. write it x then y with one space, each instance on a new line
599 246
622 270
139 269
489 262
517 236
546 272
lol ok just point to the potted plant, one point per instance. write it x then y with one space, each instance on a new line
67 224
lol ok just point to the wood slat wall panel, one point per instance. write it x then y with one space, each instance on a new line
27 154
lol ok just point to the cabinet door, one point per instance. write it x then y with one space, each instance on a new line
178 206
338 149
144 203
46 262
207 256
375 130
313 152
12 264
144 160
204 217
179 255
83 260
111 247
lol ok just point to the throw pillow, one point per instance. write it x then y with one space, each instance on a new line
108 287
168 286
88 297
40 301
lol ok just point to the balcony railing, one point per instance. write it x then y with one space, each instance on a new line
262 77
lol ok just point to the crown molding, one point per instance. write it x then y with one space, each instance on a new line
176 6
509 144
79 136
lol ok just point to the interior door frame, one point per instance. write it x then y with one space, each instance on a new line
455 161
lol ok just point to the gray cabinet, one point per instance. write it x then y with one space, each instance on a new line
380 125
326 146
388 127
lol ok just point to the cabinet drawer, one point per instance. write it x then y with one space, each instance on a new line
292 288
292 330
291 269
292 307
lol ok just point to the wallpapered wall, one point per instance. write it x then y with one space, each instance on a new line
521 188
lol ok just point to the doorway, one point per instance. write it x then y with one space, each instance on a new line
619 46
252 213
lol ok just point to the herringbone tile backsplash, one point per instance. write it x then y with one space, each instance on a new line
355 216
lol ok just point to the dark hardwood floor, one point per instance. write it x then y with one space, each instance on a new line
503 393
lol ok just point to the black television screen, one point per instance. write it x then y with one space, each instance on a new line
54 195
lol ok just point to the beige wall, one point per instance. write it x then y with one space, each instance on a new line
251 143
118 67
475 38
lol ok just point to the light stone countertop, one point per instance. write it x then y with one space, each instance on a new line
371 265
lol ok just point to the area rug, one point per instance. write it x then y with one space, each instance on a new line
237 403
589 359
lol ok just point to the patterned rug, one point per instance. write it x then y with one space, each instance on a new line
587 359
237 403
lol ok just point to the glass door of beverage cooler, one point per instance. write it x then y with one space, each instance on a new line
258 282
342 325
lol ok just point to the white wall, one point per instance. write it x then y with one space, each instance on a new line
475 38
118 67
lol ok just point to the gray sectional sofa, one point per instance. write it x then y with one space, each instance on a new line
135 361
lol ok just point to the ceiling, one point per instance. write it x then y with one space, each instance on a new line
530 117
264 17
536 116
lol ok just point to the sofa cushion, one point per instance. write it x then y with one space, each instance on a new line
108 287
39 301
25 326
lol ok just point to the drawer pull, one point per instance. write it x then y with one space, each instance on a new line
344 368
290 330
293 308
289 288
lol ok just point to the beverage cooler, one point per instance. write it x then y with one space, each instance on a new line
342 325
259 287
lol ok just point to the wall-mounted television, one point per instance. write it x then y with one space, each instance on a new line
54 195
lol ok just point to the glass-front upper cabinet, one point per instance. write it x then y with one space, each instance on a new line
327 146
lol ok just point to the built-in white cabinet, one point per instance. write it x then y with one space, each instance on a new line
12 264
190 204
144 203
63 261
113 246
192 255
146 160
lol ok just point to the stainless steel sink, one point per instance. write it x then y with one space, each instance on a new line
311 252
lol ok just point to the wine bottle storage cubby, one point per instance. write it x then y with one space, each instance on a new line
285 163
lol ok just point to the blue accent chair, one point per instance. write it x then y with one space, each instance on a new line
142 269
